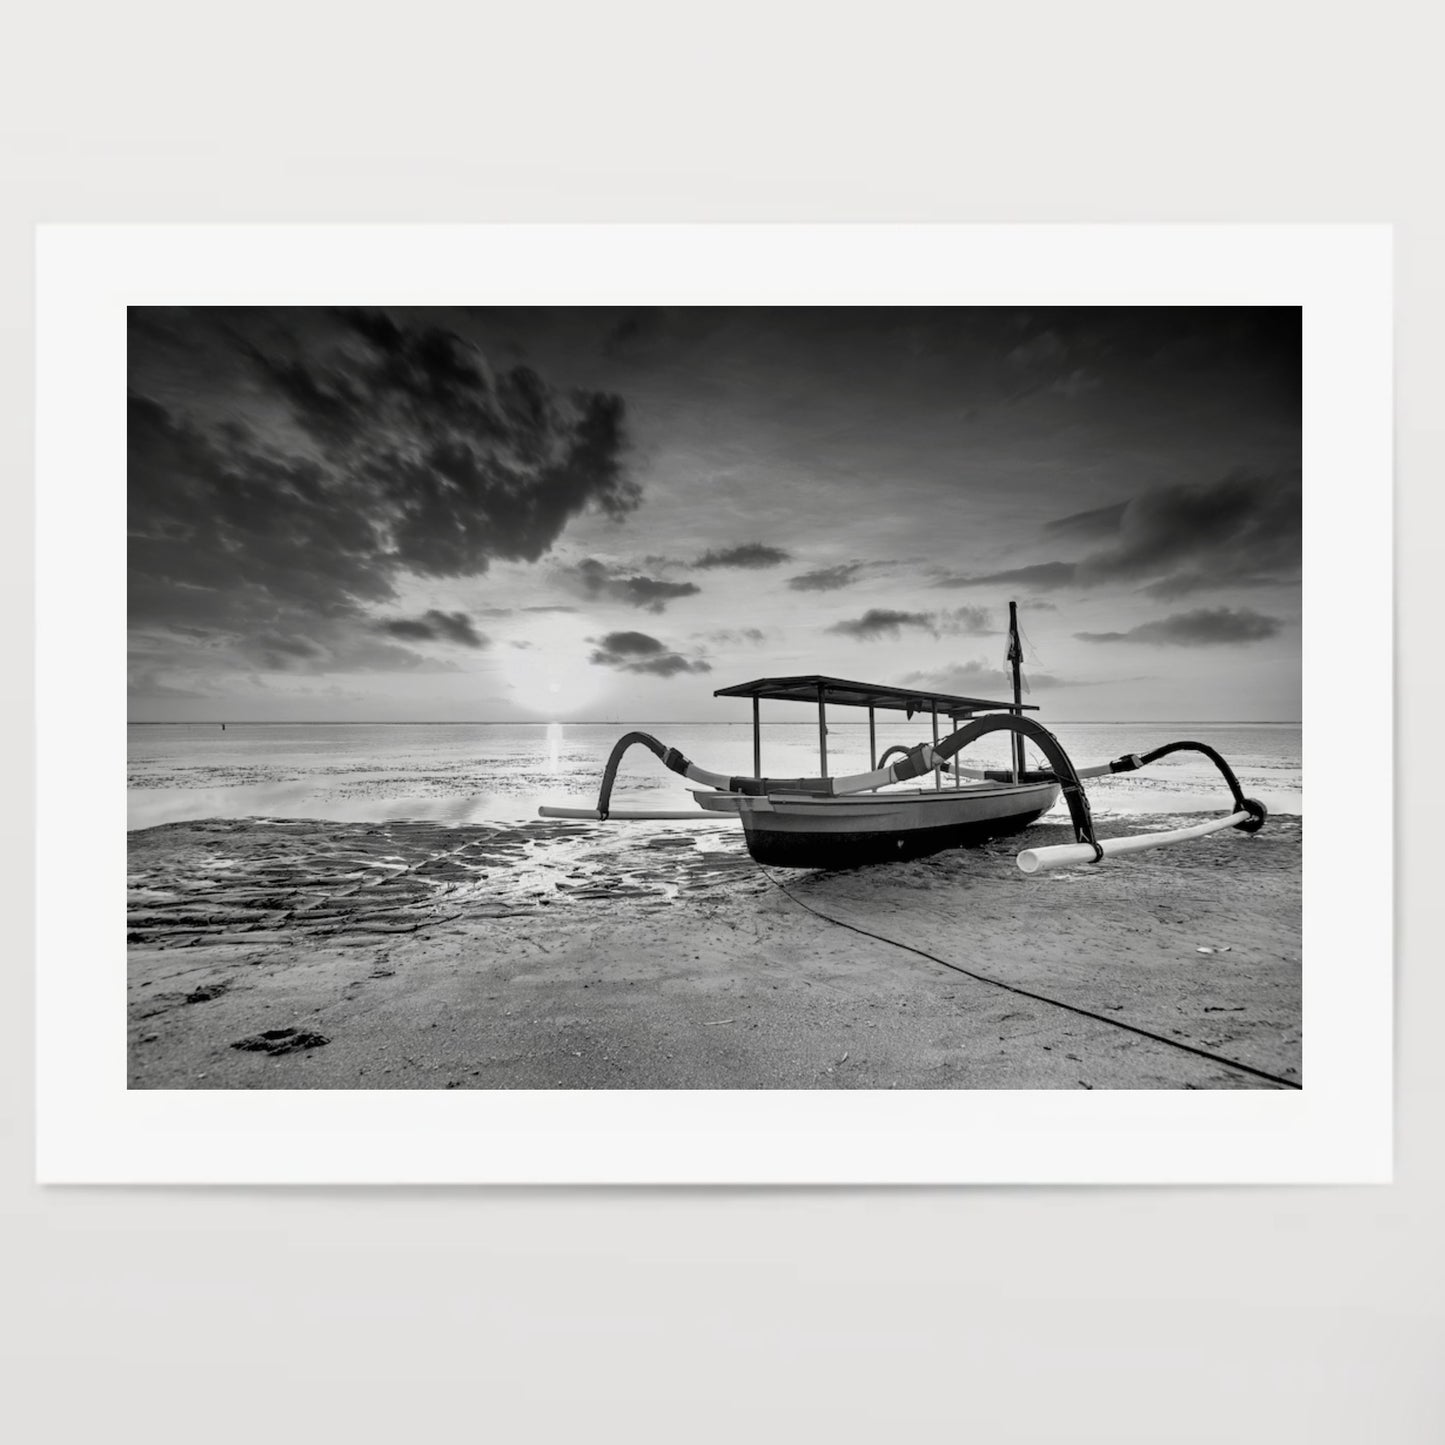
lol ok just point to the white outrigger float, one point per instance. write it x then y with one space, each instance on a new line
843 822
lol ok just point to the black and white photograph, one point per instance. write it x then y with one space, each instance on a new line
714 697
665 662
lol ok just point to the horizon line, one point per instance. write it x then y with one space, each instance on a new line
608 721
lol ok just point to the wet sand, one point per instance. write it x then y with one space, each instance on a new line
283 954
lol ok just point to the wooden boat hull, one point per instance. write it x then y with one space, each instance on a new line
847 832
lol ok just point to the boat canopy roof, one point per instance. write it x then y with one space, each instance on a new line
814 688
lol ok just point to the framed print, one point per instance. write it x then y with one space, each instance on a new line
756 704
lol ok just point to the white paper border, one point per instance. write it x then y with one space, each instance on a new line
91 1128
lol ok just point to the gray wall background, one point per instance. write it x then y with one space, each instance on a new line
1279 1315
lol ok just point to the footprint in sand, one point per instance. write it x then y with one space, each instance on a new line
281 1041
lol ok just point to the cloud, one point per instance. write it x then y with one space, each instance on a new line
1100 522
146 682
749 554
436 626
735 635
1242 530
1040 574
285 481
968 620
1045 349
1048 362
288 646
637 652
331 646
978 678
882 622
827 579
879 622
464 463
1204 627
597 579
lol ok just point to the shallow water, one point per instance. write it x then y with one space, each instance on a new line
459 773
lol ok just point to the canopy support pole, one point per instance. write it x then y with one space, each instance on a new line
872 741
757 742
822 736
937 772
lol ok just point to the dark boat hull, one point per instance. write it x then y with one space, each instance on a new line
883 828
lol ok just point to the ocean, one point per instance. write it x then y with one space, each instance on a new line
459 773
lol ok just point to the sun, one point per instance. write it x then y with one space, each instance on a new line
550 673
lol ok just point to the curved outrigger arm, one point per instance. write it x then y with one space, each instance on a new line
915 762
1248 815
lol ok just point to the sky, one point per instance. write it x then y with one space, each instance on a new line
466 514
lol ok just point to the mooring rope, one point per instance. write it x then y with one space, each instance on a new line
1013 988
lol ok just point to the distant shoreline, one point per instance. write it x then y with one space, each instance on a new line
682 723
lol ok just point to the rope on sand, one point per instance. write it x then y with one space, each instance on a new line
1072 1008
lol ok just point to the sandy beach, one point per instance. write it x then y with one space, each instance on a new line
295 954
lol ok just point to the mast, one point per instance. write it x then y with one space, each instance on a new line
1015 657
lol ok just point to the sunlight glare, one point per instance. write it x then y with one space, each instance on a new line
552 676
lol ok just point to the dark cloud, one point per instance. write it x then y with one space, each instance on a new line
1100 522
827 579
549 609
637 652
598 579
887 622
1243 530
288 646
625 334
631 644
882 622
640 334
750 554
330 647
436 626
1251 354
464 463
1204 627
284 475
651 593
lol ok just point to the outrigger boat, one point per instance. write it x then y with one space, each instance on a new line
844 822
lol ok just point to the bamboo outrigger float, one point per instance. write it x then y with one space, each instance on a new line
839 822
